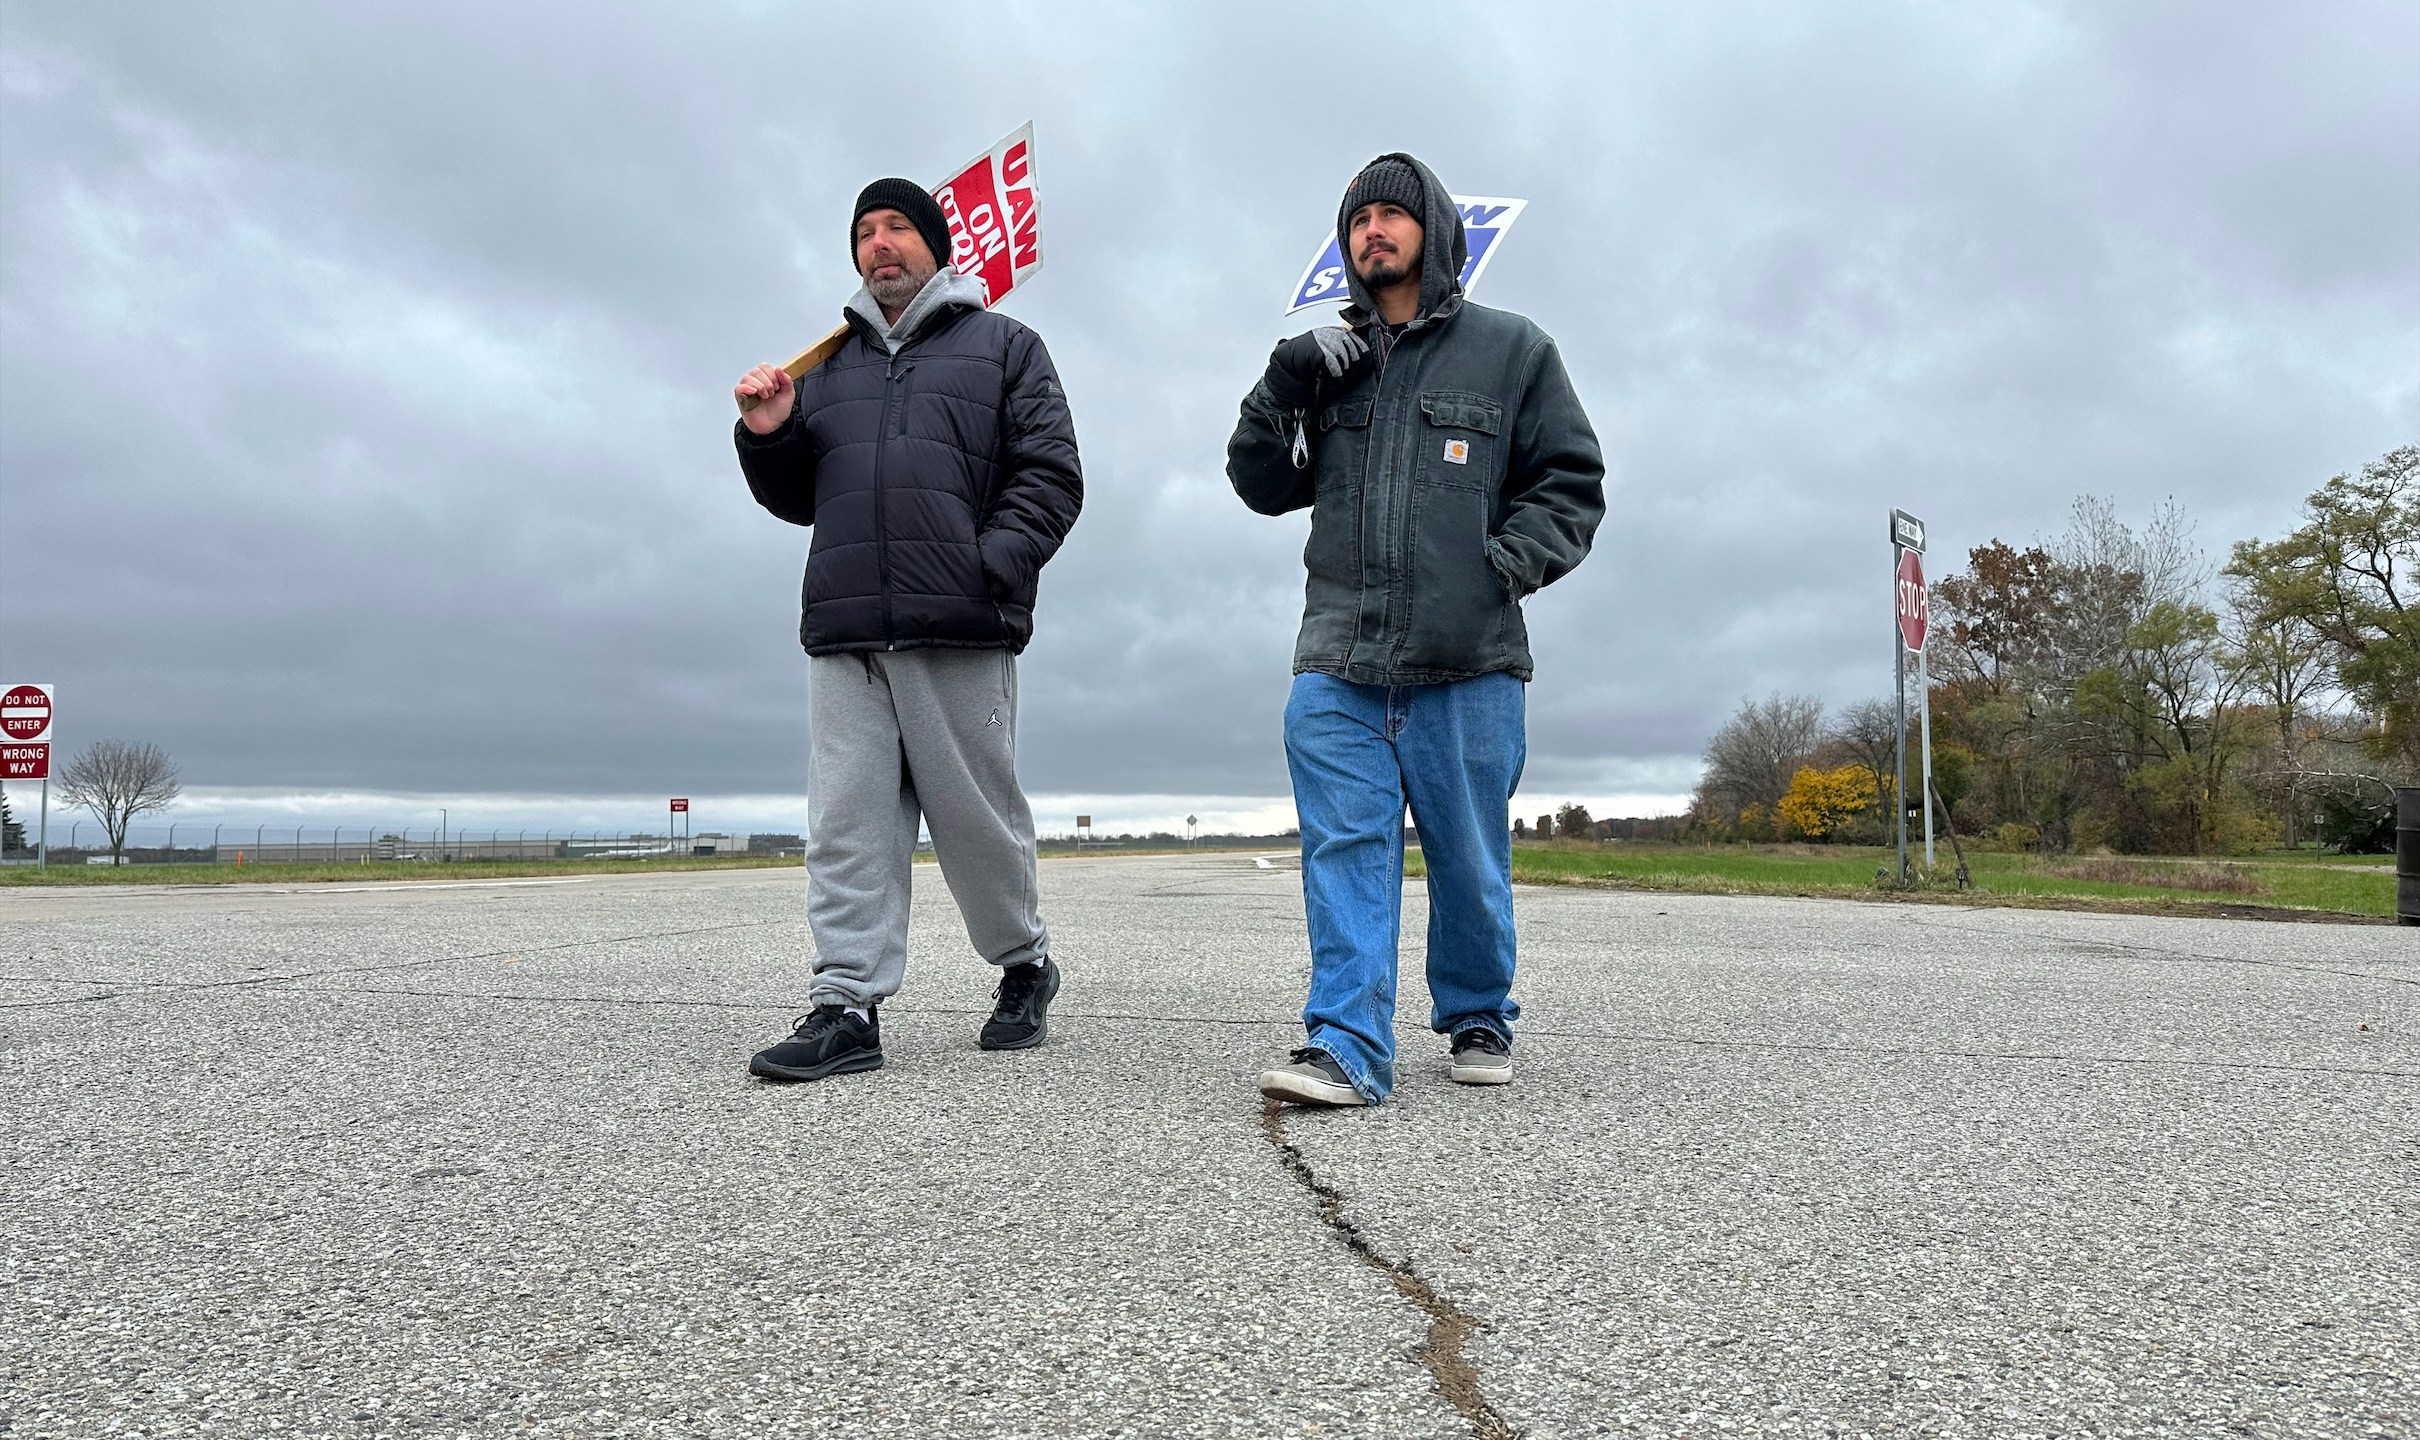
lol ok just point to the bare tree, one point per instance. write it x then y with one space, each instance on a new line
1751 759
117 780
2108 578
1869 730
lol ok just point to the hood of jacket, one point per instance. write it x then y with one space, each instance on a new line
1444 249
946 291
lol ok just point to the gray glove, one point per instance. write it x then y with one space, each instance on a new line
1297 364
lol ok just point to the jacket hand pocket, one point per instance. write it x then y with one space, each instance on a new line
1508 571
1007 571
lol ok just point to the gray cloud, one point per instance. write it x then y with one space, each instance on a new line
363 376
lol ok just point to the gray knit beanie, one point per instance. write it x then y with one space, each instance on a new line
1384 179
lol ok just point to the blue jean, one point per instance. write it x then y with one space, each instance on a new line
1358 754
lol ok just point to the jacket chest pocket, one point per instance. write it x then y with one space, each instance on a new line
1460 443
1340 441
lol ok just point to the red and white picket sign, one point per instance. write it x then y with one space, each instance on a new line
995 217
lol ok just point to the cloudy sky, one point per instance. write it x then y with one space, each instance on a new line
365 370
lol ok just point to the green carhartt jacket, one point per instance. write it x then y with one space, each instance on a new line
1449 476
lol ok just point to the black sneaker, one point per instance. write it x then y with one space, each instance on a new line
1481 1058
1310 1077
1022 1016
830 1041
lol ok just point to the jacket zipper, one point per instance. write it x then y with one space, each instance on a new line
882 536
1397 549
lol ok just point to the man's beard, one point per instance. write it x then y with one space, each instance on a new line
1388 270
895 290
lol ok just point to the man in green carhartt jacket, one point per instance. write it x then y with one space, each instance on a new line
1450 473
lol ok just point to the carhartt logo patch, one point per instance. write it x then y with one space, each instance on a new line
1457 452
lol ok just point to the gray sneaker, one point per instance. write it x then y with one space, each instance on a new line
1313 1078
1482 1058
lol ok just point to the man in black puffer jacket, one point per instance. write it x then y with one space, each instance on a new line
935 459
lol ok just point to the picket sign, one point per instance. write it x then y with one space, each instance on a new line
995 216
1485 218
994 211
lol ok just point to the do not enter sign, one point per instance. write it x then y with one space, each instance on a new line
25 713
1915 609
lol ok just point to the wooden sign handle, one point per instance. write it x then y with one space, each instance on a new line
804 361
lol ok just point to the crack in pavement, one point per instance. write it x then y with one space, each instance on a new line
68 1000
1904 1053
2136 952
1449 1326
387 967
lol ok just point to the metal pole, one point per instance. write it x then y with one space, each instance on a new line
43 862
1899 678
1924 713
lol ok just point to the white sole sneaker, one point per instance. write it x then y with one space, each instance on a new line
1483 1069
1302 1085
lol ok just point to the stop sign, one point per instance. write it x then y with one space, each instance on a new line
25 713
1915 610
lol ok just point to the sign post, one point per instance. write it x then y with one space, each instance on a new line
1911 620
680 807
25 713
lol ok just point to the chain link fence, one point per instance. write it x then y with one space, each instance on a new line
81 842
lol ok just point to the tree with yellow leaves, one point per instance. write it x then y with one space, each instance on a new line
1821 801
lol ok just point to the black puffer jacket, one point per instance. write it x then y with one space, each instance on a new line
939 480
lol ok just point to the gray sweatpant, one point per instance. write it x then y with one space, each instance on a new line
897 735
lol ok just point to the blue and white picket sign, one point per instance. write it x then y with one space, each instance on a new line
1485 218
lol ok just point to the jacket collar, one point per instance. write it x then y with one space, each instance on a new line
946 292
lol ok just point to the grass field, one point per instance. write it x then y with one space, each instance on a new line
2322 887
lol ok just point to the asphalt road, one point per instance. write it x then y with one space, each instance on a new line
483 1161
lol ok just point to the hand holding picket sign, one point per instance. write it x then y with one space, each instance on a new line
994 211
765 395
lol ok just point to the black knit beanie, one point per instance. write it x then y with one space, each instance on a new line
1383 179
909 199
